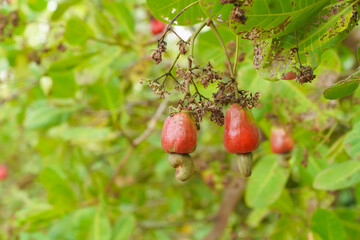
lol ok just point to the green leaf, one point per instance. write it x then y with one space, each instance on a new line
314 166
287 228
37 5
62 7
103 22
265 19
37 218
123 15
357 193
71 62
337 177
284 203
101 228
266 183
208 47
32 235
165 11
327 225
313 39
64 85
77 223
123 228
330 61
256 216
295 92
42 115
59 191
77 31
344 87
349 220
84 134
352 142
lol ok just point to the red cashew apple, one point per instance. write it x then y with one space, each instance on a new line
241 136
281 143
3 172
281 140
178 137
289 76
157 26
179 134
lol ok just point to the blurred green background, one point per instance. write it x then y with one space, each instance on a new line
81 140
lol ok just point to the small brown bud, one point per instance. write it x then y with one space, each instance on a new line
182 47
157 56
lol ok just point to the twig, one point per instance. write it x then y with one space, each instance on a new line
297 47
231 196
174 62
196 33
150 128
172 30
110 42
213 27
152 123
236 54
197 91
172 21
119 167
232 73
91 202
165 224
328 135
192 40
18 94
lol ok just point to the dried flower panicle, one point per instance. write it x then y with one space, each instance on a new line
3 23
205 75
157 88
217 115
14 18
8 22
182 47
209 75
34 57
248 100
225 94
61 47
305 75
157 54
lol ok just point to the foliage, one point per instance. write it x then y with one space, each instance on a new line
80 135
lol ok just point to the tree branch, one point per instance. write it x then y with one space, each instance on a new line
105 41
152 123
236 55
232 73
18 94
150 128
213 27
165 224
168 28
231 197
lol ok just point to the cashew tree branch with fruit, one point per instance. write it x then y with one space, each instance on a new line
277 55
284 48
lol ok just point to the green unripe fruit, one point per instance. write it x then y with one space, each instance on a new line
244 163
184 165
